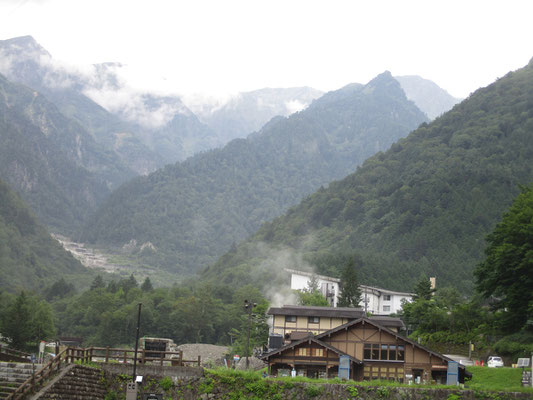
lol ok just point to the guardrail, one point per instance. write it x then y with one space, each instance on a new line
6 353
31 383
99 355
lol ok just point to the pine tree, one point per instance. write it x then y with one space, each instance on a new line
423 289
350 293
147 285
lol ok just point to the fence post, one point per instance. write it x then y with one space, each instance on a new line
143 357
107 354
199 360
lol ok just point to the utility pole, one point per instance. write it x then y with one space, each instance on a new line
136 343
248 308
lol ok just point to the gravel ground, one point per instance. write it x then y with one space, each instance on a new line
213 356
210 354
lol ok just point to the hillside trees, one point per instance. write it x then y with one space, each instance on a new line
350 295
423 206
25 320
506 274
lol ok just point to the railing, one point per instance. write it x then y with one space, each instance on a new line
37 377
7 353
99 355
126 356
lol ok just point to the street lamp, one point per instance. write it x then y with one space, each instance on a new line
248 308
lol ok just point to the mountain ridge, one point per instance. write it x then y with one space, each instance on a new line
422 207
223 195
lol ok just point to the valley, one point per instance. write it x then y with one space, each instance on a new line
196 209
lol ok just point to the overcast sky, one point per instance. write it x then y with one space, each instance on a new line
226 46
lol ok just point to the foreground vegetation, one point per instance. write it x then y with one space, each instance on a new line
232 384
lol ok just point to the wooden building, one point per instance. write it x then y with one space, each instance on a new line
374 351
295 322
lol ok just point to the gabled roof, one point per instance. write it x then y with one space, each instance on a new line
378 326
309 340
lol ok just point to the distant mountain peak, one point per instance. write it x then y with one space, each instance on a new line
384 82
23 45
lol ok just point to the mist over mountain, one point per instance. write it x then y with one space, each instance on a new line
191 212
421 208
248 111
135 125
51 160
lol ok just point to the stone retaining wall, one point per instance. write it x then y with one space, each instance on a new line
154 370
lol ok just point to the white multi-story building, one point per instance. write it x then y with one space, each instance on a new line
328 286
375 300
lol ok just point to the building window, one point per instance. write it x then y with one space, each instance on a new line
384 373
313 320
371 351
386 297
318 352
290 318
386 308
390 352
302 351
383 354
400 354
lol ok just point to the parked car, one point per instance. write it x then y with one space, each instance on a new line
494 362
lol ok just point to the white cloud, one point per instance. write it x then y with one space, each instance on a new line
295 106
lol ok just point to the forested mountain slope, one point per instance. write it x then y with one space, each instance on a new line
422 207
193 211
29 257
51 160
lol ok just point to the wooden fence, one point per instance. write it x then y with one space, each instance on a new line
99 355
7 354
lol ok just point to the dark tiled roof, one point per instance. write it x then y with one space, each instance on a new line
310 311
388 321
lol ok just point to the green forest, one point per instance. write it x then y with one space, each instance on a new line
192 212
498 317
422 207
51 160
29 257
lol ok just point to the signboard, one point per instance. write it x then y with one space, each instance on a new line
452 376
344 367
523 363
236 358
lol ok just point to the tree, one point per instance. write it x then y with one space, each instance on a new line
423 289
26 320
311 295
59 290
506 274
147 285
315 298
97 283
350 294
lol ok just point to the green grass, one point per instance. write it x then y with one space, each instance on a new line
497 379
485 379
